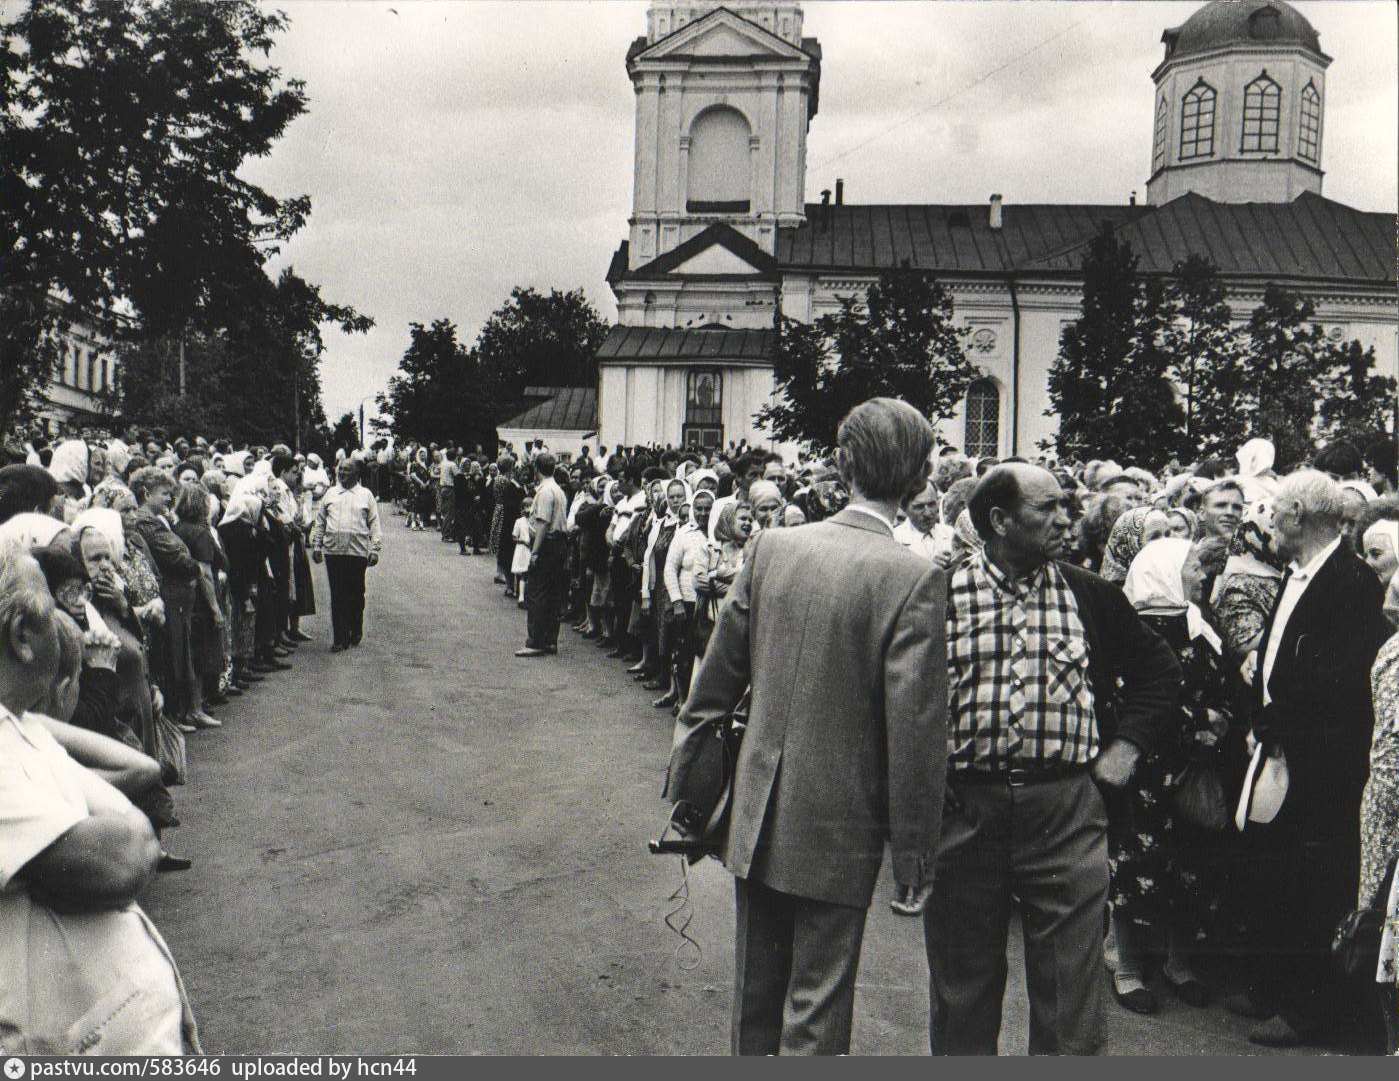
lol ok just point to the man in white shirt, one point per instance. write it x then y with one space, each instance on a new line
548 562
1313 709
921 533
347 537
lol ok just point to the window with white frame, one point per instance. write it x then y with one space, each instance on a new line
1197 122
1309 136
1262 107
982 415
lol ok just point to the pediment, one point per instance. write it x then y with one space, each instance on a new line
716 260
721 33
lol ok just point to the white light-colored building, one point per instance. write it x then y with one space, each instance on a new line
721 232
78 392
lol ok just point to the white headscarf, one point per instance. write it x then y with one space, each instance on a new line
1387 528
118 456
244 505
32 530
69 462
1366 491
254 485
236 464
105 522
1154 585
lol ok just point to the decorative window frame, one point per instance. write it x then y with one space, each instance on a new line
1309 124
1198 113
1262 117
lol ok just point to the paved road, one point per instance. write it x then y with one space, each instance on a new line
427 845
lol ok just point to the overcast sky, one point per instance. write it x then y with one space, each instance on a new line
453 150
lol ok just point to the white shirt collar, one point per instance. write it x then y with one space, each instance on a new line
875 515
1307 573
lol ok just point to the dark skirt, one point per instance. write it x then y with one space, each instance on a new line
305 602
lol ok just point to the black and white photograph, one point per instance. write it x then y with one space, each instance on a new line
697 528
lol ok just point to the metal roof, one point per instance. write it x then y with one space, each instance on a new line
937 237
1309 238
658 343
565 409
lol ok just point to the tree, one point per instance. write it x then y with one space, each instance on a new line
900 342
1209 359
441 395
1110 385
123 128
1299 387
256 379
345 435
535 339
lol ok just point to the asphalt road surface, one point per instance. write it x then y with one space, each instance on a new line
427 845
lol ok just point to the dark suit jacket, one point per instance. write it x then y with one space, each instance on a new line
1321 713
841 633
172 558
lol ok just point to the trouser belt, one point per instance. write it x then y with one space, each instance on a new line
1018 776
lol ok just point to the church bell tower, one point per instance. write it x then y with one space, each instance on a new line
724 96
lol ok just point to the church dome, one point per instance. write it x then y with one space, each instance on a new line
1224 23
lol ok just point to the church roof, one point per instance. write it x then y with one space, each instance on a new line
679 344
1308 238
563 409
1225 23
953 237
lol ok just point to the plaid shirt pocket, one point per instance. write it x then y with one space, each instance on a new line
1066 669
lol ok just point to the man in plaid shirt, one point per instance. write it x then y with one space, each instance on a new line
1056 687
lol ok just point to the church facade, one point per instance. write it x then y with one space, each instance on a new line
722 237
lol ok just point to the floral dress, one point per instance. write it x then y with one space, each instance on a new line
1161 864
1379 809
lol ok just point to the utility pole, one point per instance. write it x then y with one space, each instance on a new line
296 405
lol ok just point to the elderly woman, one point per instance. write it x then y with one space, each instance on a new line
171 662
1158 857
207 618
1379 831
1379 547
765 497
70 467
1132 532
1249 585
674 513
687 560
247 549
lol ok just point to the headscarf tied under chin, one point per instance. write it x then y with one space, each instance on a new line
1155 587
1251 551
704 493
104 522
1124 542
726 526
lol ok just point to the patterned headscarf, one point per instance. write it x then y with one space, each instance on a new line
966 535
1124 542
1252 551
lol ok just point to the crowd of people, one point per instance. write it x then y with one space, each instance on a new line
143 583
1188 681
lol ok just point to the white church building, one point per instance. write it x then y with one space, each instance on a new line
722 233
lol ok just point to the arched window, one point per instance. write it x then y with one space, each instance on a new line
983 420
720 162
1158 144
1309 138
1197 122
1262 99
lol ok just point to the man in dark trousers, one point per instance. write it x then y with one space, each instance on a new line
548 562
839 631
347 536
1313 706
1036 649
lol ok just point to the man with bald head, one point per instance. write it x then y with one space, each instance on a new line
1036 649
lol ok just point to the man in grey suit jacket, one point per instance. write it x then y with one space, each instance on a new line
841 634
